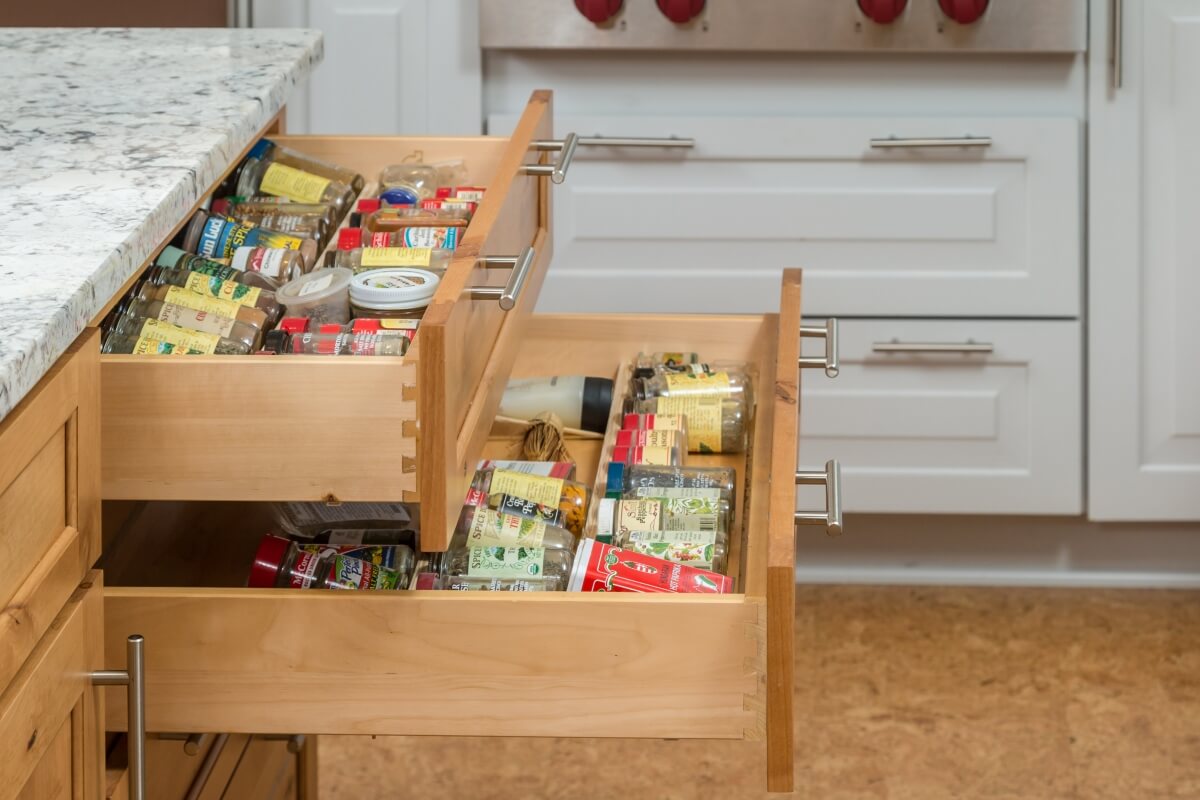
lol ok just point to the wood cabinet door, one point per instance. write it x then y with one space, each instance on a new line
51 718
1144 393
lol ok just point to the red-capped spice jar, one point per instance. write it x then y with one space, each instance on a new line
284 564
601 567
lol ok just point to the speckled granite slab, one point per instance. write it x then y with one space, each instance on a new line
107 138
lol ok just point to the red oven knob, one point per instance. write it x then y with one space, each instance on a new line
964 12
681 11
598 11
884 12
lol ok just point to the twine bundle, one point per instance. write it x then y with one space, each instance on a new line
544 441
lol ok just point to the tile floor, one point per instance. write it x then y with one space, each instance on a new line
921 693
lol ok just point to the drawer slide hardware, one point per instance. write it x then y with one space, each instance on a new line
831 517
669 142
206 767
507 295
557 171
133 678
295 741
967 347
828 362
896 143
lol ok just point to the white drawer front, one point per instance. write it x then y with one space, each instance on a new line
996 432
927 231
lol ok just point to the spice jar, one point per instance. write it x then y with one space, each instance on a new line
645 526
601 567
174 258
240 293
467 207
398 292
481 526
391 218
157 330
407 184
310 220
284 564
275 265
215 236
179 296
322 295
508 504
352 255
646 364
282 172
383 343
569 496
120 344
191 319
506 568
656 481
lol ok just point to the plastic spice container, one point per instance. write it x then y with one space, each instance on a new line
322 295
207 343
391 218
240 293
285 564
399 292
179 296
191 319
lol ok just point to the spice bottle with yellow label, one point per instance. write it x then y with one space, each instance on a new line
483 526
190 318
715 399
240 293
179 296
202 341
571 497
281 172
351 254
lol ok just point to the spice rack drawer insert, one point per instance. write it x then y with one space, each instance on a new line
502 664
344 428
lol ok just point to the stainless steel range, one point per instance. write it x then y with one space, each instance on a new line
942 26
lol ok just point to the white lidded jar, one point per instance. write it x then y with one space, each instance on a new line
393 292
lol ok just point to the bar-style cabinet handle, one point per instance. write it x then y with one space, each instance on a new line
831 518
1116 43
670 142
506 296
969 346
898 143
133 678
828 362
557 171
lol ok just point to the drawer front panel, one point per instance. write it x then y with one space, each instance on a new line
49 500
995 432
927 231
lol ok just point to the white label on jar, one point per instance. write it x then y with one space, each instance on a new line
265 260
505 562
604 525
395 281
312 287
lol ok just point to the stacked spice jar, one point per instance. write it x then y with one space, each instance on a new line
252 259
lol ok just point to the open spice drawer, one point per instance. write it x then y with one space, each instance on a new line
489 663
342 428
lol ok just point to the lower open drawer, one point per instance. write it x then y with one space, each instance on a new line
503 664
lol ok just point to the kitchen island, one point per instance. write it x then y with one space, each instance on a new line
108 138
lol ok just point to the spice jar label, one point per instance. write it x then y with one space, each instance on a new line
294 184
638 515
506 562
239 293
179 296
703 417
537 488
396 256
489 529
196 320
672 492
697 381
266 261
604 568
197 341
318 285
356 574
145 346
430 237
696 548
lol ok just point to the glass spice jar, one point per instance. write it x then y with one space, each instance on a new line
570 496
506 568
284 564
240 293
279 171
191 319
174 258
353 255
392 293
311 220
382 343
716 400
214 236
481 526
177 295
157 330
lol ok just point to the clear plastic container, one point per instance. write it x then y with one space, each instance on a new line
191 319
507 568
322 295
397 292
156 329
174 258
570 496
179 296
481 526
241 293
214 236
279 171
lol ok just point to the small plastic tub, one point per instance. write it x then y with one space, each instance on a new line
322 295
393 292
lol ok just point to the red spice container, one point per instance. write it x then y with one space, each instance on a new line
601 567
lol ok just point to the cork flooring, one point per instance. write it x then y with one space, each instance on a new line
921 693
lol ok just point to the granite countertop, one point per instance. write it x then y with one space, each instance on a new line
107 138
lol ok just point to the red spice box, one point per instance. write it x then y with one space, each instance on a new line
602 567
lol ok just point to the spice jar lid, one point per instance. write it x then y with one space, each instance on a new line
267 561
394 288
367 204
260 149
400 196
314 286
583 555
349 238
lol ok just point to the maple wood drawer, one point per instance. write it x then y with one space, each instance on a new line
337 428
504 664
49 499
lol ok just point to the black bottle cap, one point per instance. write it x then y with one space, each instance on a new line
275 341
597 403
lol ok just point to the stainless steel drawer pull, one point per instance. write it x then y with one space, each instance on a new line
557 171
893 142
828 332
831 518
506 296
1116 43
671 142
133 677
969 346
193 743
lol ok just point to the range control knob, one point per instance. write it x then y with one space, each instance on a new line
964 12
681 11
598 11
883 12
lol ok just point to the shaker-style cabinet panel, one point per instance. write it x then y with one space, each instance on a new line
1144 393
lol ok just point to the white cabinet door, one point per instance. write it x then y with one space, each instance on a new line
992 432
390 67
914 231
1144 265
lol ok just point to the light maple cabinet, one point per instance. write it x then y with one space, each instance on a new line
1144 332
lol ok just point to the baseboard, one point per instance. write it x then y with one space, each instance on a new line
1001 551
